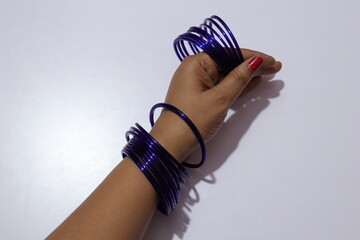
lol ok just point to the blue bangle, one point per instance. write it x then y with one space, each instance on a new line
215 38
161 169
189 123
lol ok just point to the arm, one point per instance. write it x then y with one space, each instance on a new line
122 206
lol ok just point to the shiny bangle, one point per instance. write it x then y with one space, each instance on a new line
189 123
215 38
161 169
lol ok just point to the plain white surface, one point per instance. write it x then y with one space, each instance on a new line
75 75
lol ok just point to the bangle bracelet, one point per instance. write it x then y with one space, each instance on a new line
215 38
161 169
189 123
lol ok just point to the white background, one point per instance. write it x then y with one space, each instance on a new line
75 75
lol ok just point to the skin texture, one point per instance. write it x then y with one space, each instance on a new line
122 206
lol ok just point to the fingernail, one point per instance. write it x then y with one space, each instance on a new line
255 63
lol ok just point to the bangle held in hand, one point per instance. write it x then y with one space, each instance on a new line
215 38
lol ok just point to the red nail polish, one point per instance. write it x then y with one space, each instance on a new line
255 63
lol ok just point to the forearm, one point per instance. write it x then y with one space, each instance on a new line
120 208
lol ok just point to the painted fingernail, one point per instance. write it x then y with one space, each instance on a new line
255 63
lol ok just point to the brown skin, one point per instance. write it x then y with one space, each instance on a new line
122 206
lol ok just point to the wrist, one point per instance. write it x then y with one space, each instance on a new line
174 135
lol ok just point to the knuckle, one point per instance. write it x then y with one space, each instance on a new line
188 59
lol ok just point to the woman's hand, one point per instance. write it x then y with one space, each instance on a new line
198 89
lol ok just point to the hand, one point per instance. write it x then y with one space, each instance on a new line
198 89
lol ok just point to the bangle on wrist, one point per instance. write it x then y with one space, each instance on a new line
162 170
189 123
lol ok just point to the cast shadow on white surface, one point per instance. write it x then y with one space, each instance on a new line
247 108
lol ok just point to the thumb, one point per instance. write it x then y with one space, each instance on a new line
235 82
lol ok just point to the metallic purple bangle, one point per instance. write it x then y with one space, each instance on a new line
215 38
161 169
189 123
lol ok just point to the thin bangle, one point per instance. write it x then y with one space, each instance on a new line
189 123
161 169
215 38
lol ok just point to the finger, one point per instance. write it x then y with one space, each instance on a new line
235 82
268 60
276 67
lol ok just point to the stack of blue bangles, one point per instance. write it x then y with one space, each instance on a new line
163 171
